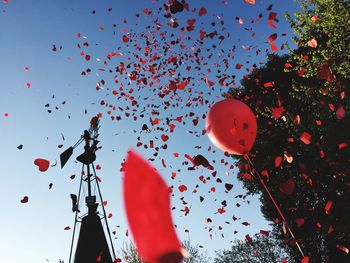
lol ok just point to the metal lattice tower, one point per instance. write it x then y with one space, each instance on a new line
92 245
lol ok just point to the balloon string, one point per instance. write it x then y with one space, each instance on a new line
252 169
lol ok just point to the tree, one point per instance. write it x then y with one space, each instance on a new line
195 255
327 22
303 145
260 249
129 253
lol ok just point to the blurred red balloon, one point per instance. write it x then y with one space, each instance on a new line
147 205
231 126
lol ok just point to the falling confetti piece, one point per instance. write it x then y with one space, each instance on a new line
202 11
271 40
299 222
342 248
272 17
278 161
277 112
182 188
312 43
24 200
328 206
288 157
342 145
251 2
249 239
42 164
265 233
305 138
315 19
287 187
228 187
125 39
340 113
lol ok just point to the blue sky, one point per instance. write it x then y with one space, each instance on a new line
28 30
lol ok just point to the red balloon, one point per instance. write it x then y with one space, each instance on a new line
147 205
231 126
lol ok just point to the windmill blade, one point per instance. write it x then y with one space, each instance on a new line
64 157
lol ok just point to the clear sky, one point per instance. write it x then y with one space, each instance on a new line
46 101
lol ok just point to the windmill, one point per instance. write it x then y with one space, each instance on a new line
92 245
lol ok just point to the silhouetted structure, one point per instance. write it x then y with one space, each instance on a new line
92 245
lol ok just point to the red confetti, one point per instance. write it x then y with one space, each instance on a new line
164 137
312 43
272 17
42 164
190 159
271 40
221 211
202 11
125 39
315 18
340 113
268 85
265 233
265 173
252 2
305 138
331 106
154 231
287 187
342 248
67 228
328 206
249 239
287 66
278 161
239 66
330 229
182 85
182 188
299 222
342 145
277 112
